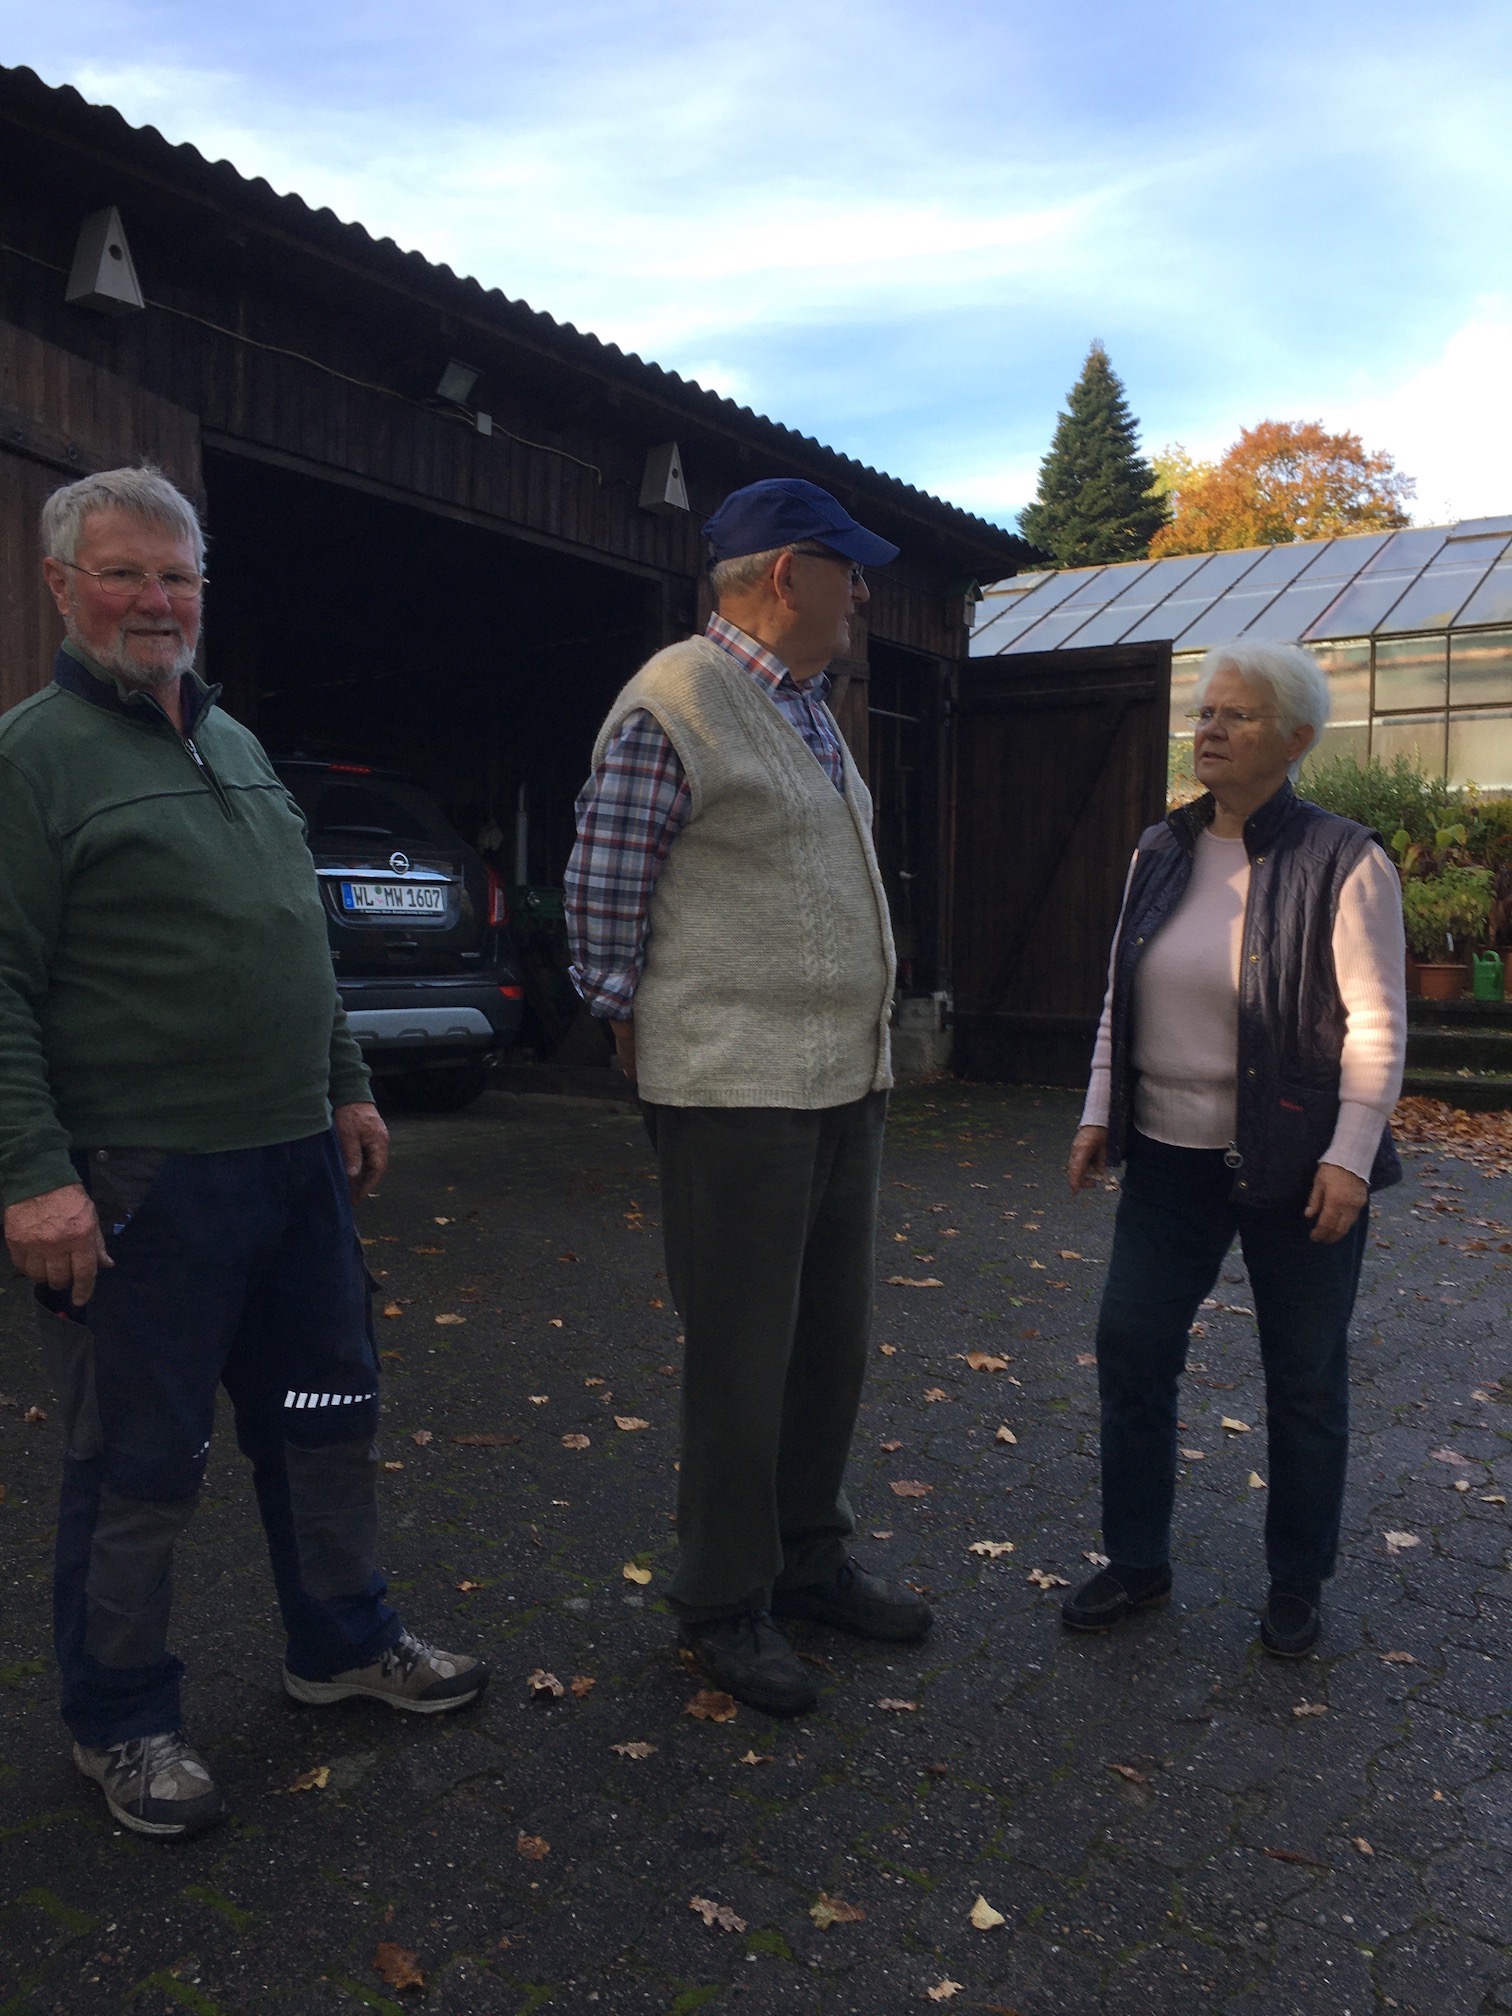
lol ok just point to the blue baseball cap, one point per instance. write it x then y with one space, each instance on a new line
784 511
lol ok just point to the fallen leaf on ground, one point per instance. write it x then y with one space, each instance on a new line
554 1322
984 1918
717 1914
35 1414
942 1991
1494 1498
581 1684
421 1436
633 1572
395 1966
1398 1543
655 1302
1042 1579
1235 1427
754 1757
468 1587
630 1422
1006 1434
1362 1844
392 1309
890 1448
1195 1455
313 1780
881 1533
1128 1771
898 1707
442 1221
1086 1357
490 1439
1295 1855
1311 1708
387 1466
534 1847
711 1704
538 1399
1066 1254
1091 1554
639 1751
993 1549
448 1316
932 1393
984 1361
827 1911
907 1281
1450 1456
545 1686
574 1441
1398 1659
909 1487
888 1350
1256 1481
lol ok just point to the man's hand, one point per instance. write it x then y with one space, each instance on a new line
624 1047
1089 1158
364 1146
1338 1196
55 1239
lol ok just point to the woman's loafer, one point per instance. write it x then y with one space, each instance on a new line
1114 1593
1291 1621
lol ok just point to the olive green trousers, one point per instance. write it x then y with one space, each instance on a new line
769 1218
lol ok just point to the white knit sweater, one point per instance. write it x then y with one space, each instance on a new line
769 964
1185 1039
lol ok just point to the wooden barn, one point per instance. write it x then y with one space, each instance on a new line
444 528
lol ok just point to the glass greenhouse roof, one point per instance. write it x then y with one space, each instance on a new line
1428 577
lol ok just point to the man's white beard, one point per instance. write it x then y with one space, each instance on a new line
119 663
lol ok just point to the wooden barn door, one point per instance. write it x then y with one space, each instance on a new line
1060 762
61 417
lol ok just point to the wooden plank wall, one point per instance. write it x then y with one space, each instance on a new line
61 418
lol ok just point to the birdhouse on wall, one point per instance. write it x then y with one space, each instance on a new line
103 276
662 485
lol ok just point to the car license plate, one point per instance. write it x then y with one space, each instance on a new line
389 899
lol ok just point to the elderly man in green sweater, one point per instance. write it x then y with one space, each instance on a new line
184 1122
728 919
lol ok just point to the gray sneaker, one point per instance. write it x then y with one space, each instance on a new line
409 1675
154 1784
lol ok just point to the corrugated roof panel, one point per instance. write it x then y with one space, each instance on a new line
1382 583
1156 584
1492 601
1445 584
989 638
1235 613
1085 599
1196 595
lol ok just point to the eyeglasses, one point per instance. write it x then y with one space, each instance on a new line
857 571
1226 717
124 584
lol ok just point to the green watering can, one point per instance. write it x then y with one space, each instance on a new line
1488 976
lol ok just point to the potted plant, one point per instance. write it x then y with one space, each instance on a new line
1440 912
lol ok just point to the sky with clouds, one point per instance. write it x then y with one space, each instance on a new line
898 224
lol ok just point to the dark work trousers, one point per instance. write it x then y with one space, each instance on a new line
769 1218
240 1269
1175 1223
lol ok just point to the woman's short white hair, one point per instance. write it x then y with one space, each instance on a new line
144 494
1296 681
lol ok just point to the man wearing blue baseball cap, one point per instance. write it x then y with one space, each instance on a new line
726 916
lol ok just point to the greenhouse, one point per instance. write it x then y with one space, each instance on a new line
1414 629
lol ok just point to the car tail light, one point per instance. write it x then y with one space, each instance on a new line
498 906
513 993
352 769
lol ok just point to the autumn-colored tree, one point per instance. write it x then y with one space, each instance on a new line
1096 499
1282 480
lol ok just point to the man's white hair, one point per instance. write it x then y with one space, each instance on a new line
144 494
1295 679
728 577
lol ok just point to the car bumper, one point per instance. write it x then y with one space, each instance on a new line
410 1024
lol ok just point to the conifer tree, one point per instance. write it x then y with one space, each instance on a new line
1097 499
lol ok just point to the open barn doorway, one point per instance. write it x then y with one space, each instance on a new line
355 627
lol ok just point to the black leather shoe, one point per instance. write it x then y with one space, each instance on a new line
1114 1593
855 1600
1292 1620
749 1657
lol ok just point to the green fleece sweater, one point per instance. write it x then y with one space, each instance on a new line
165 975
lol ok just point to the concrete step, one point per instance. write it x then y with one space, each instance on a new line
1476 1048
1477 1091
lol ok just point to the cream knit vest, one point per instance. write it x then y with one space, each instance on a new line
769 961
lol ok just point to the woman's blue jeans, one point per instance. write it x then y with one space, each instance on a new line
1176 1222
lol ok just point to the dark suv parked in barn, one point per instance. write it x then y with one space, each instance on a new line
417 922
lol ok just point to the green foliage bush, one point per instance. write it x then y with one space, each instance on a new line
1392 797
1453 904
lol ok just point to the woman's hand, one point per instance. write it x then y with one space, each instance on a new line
1089 1158
1337 1199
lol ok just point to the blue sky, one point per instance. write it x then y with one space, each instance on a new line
898 225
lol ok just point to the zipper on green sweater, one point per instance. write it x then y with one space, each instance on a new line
209 775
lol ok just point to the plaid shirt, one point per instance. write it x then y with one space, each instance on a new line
634 806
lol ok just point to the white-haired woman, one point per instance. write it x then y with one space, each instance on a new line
1248 1060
